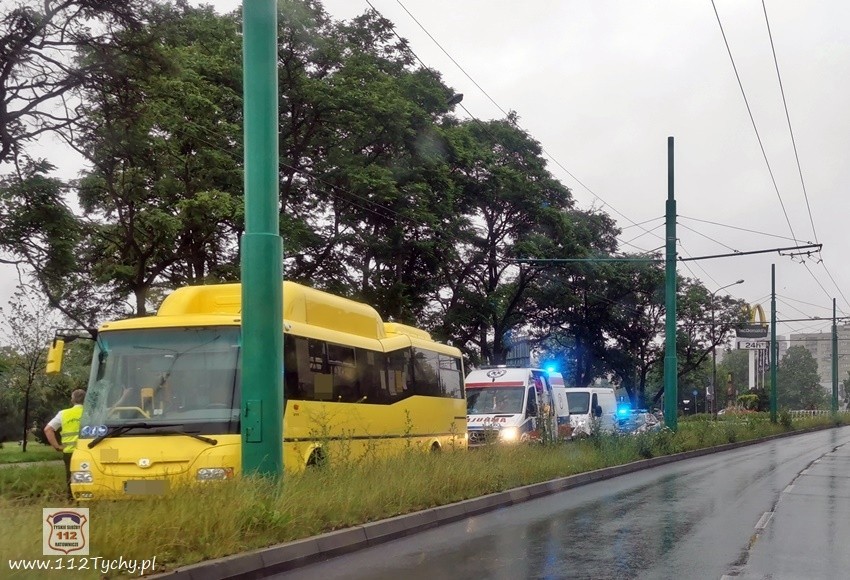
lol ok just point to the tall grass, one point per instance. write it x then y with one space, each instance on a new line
11 452
214 520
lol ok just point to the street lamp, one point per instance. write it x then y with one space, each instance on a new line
714 347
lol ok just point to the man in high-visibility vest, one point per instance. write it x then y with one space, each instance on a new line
67 422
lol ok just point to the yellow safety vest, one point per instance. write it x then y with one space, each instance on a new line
71 427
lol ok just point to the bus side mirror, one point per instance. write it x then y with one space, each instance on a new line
54 356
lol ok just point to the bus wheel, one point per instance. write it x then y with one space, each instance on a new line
317 458
435 447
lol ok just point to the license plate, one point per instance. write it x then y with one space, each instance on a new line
146 487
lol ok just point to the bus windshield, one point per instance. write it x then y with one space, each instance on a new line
579 403
184 376
490 400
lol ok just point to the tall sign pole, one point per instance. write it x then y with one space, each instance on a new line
774 347
834 360
262 248
671 365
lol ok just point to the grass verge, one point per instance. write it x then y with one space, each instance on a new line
11 453
205 522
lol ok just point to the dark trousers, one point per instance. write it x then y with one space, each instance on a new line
66 457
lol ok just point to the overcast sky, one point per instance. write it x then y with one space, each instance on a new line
601 84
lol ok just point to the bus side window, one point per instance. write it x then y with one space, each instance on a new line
369 376
318 356
398 373
344 371
426 373
451 383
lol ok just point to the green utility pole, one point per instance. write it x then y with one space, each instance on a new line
774 348
834 360
671 364
262 248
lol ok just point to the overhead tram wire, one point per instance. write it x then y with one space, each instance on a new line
698 265
643 222
543 149
804 302
730 248
788 118
736 228
764 153
821 286
834 283
791 306
753 121
794 145
643 234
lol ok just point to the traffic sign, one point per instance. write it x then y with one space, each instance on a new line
749 344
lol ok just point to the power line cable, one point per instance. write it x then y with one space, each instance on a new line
643 222
709 238
794 145
791 306
472 80
686 264
837 287
752 119
643 234
543 149
788 118
806 265
738 228
804 302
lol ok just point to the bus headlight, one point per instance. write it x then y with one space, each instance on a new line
509 434
214 473
81 477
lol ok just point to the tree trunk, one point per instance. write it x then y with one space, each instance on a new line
26 418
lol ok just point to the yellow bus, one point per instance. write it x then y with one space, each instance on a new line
163 399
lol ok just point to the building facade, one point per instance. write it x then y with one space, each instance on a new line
819 344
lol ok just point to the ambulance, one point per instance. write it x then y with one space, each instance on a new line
509 405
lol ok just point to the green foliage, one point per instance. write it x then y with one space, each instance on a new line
385 196
35 75
161 134
798 382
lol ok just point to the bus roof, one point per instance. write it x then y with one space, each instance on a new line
303 308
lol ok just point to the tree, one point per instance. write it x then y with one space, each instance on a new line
365 186
514 208
36 75
28 327
637 325
734 370
798 382
161 129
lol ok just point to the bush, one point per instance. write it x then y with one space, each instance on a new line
785 419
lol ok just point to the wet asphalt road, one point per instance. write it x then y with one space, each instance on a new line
778 510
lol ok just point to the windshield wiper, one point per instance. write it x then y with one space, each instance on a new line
119 430
209 440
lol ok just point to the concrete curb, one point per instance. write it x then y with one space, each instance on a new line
272 560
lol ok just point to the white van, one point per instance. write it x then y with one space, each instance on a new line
508 404
589 403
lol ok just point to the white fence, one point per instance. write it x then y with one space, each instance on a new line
815 412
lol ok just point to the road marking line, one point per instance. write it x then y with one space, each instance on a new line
765 518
